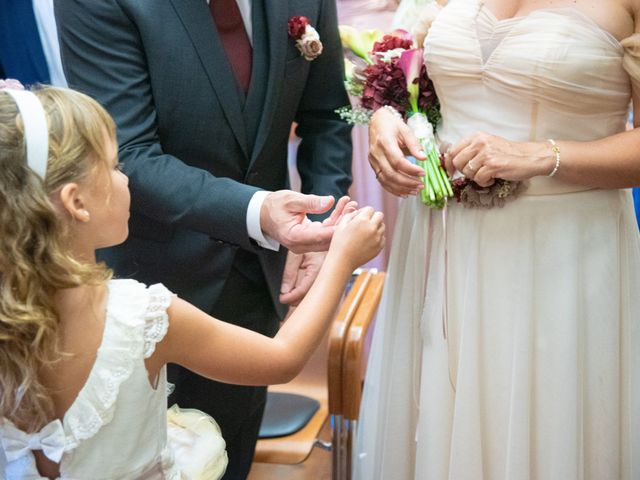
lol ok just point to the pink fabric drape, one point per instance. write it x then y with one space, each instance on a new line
363 15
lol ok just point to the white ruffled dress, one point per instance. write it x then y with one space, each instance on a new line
118 427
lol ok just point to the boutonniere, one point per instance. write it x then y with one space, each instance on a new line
306 37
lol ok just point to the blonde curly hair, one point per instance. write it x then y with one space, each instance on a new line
35 261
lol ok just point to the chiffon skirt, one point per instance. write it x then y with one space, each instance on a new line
539 374
197 444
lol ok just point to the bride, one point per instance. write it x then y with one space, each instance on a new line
508 341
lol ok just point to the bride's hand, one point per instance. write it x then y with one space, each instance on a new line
483 158
389 140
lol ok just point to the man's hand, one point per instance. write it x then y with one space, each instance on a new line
300 272
283 217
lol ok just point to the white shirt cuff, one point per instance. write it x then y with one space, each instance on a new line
253 222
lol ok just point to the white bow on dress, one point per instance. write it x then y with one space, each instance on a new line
16 443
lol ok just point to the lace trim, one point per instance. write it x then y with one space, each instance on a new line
121 349
156 321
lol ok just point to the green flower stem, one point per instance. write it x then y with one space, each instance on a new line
437 187
433 179
424 196
437 177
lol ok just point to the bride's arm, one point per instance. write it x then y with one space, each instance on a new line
232 354
611 162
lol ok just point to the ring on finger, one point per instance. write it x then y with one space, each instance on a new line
378 172
470 165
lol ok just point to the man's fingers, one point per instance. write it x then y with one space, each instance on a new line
310 203
309 237
290 273
295 296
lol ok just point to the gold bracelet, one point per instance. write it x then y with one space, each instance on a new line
556 149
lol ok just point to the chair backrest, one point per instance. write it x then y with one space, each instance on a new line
347 364
338 336
355 351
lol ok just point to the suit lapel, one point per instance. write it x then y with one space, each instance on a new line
276 12
198 23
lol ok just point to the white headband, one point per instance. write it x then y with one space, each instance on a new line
36 132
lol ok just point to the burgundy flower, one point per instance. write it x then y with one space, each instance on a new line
391 42
385 85
472 195
427 98
297 26
458 185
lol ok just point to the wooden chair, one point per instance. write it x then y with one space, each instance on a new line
333 378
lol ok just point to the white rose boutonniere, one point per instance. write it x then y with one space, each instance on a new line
306 37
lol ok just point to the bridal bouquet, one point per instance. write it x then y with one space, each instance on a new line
388 70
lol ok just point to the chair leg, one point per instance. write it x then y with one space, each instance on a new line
336 456
350 435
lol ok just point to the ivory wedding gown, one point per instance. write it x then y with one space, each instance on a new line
539 376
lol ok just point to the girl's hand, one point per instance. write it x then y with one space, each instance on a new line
483 158
359 237
389 141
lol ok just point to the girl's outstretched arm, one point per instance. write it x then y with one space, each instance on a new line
228 353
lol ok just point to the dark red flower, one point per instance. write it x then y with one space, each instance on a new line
391 42
297 26
385 85
427 98
458 185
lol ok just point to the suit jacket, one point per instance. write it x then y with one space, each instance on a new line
21 53
195 150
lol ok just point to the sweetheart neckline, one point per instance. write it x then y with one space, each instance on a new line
514 22
539 11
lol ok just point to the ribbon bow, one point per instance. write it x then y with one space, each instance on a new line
16 443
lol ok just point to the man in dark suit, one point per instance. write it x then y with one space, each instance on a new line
203 97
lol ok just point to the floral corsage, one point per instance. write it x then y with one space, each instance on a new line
306 37
472 195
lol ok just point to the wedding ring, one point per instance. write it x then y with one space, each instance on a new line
378 173
470 165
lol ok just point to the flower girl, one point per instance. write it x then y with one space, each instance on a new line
82 356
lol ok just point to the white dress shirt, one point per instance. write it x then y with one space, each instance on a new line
43 10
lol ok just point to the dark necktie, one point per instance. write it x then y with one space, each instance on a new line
226 15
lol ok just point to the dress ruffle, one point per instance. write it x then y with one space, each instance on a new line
121 348
137 320
156 319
